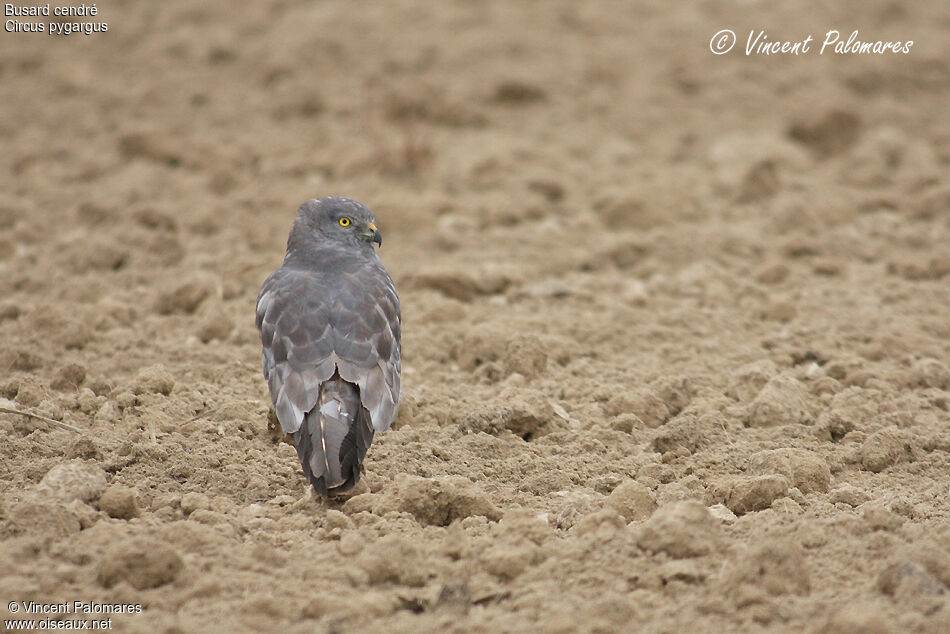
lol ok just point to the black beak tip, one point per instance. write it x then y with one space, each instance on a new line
378 238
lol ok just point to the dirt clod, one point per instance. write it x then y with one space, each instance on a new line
632 500
73 480
682 529
437 501
755 493
119 502
142 563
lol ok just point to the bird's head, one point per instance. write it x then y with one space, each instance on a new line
336 220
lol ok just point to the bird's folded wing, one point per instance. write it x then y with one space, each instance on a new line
297 357
309 332
367 335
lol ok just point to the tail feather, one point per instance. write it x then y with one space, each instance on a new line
334 438
305 451
355 445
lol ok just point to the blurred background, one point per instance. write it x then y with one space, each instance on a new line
634 275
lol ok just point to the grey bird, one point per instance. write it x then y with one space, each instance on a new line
330 324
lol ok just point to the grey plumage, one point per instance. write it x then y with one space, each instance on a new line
329 322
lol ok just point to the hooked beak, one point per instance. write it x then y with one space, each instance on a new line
374 235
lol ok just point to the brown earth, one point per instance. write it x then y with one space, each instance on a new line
676 341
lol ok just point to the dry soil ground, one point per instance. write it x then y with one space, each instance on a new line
675 324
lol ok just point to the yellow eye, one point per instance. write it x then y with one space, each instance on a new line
344 222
